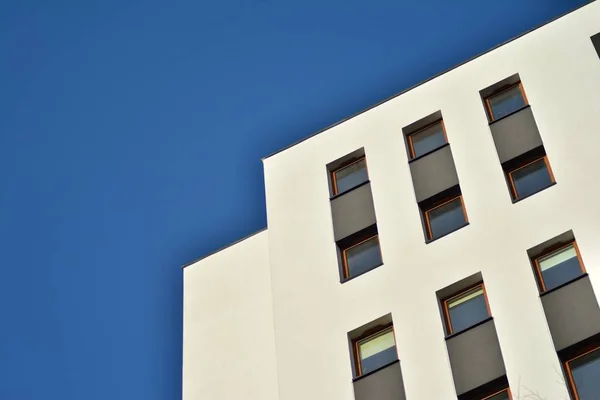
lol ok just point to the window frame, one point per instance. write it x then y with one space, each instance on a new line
507 390
442 203
488 104
361 241
513 189
554 249
411 147
571 384
343 166
370 334
448 321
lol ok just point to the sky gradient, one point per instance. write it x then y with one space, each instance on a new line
131 134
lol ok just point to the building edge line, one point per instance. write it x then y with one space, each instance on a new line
425 81
223 248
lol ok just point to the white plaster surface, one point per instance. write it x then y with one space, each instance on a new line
268 318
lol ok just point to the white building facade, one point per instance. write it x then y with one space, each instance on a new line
443 244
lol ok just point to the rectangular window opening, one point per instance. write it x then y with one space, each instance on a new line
361 256
530 177
558 266
427 139
446 217
375 349
504 394
583 373
466 309
349 176
506 101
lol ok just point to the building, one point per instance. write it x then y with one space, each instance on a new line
442 244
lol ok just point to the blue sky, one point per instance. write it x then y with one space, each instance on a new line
131 134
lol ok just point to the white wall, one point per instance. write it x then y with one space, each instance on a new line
229 348
267 318
313 312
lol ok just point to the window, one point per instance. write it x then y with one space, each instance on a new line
445 218
427 139
583 374
506 101
375 351
349 176
559 266
504 394
361 257
530 178
466 309
596 42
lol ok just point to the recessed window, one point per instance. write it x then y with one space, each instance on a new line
559 266
427 139
349 176
506 101
466 309
504 394
361 257
375 351
584 375
530 178
445 218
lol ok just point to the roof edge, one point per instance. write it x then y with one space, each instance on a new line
223 248
426 80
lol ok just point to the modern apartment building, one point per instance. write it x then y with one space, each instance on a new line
443 244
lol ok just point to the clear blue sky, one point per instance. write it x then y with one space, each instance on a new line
131 134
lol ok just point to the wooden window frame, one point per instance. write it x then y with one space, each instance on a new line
427 219
335 171
447 319
369 334
507 390
488 103
411 147
554 249
345 257
572 386
510 173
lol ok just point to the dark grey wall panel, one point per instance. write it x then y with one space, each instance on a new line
385 384
572 313
475 357
433 173
515 134
352 211
596 42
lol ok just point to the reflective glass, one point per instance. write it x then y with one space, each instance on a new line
467 309
531 178
428 139
446 218
560 267
586 375
506 102
377 351
351 176
363 257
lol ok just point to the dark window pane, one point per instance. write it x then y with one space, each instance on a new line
531 178
586 375
506 102
428 139
500 396
377 351
363 257
560 267
351 176
446 218
467 310
378 360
